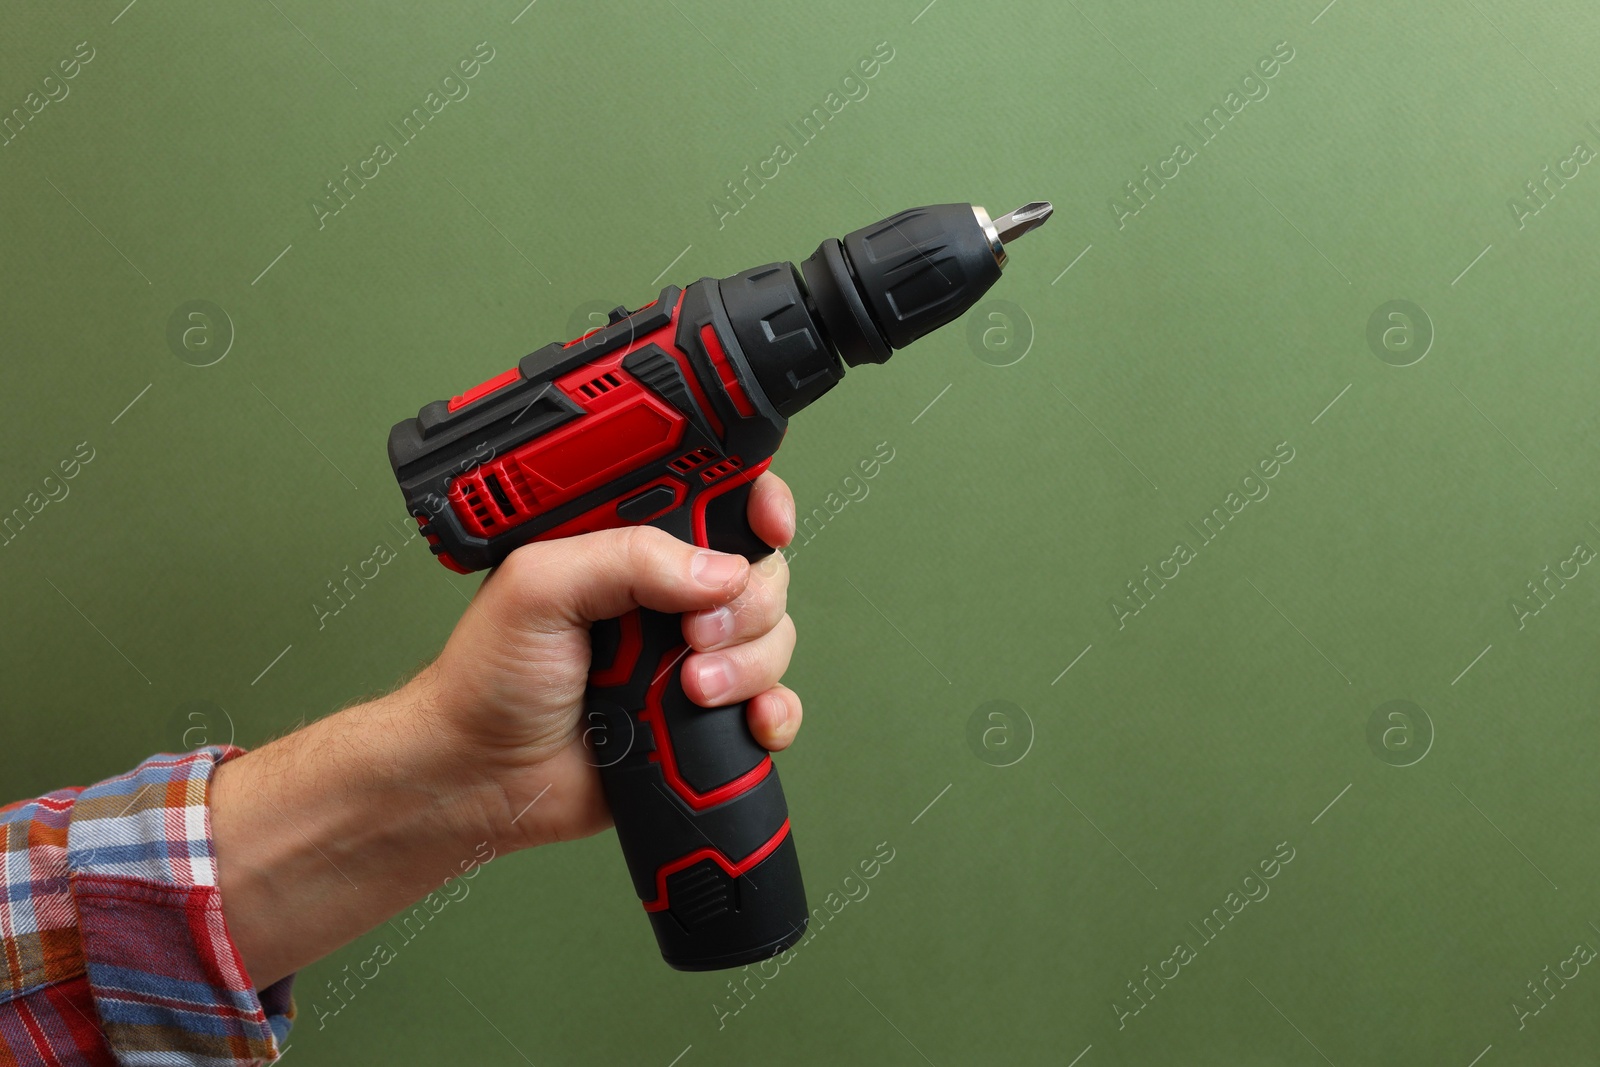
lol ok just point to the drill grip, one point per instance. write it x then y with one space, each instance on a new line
699 810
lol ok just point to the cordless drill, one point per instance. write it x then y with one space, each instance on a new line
664 417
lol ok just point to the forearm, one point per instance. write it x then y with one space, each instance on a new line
328 832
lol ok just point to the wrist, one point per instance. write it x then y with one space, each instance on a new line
324 834
429 773
484 781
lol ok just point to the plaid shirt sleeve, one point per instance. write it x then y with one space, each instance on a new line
112 932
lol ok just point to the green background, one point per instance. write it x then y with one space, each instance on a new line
1178 751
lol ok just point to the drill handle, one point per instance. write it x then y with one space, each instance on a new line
699 809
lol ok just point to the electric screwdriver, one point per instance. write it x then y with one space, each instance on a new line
665 416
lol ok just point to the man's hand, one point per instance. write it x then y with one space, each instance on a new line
324 834
509 684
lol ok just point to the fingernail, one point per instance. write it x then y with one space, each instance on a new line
716 569
712 674
713 627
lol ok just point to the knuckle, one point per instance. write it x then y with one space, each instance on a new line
754 608
773 569
769 654
767 594
522 564
639 547
781 577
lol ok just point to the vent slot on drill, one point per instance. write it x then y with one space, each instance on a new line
519 482
498 491
690 460
722 469
601 385
474 501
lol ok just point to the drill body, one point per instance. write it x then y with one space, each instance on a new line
664 417
648 419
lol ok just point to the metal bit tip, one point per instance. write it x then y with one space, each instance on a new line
1027 217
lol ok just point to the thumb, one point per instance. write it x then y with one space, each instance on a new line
578 580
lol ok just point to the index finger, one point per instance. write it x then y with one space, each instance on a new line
771 510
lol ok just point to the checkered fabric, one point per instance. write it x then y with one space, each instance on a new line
112 933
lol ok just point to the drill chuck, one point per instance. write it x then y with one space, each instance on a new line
859 299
